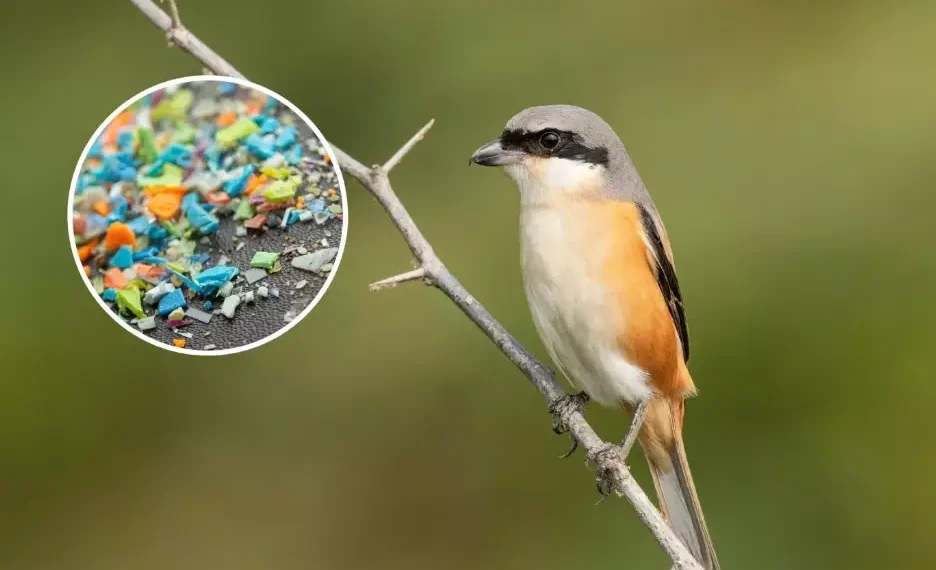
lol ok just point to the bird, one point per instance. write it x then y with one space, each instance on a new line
601 285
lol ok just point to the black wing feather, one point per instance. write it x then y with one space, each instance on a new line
666 278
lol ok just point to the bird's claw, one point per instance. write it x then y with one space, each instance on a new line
604 476
560 409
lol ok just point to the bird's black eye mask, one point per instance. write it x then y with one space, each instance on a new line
553 143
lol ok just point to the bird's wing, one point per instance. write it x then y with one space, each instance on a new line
666 276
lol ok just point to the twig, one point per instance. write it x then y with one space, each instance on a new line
390 282
398 155
377 182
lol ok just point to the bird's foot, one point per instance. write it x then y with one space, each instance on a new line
560 410
604 474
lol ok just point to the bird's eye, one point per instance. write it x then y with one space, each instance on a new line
549 140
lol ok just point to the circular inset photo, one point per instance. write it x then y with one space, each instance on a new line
207 216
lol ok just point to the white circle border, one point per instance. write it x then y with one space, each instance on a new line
220 79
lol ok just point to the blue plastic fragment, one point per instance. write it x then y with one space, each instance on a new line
236 185
157 232
201 219
201 258
154 260
293 217
114 168
227 88
315 206
211 279
140 225
259 146
270 105
269 125
171 301
84 181
286 138
118 209
125 140
177 154
294 155
208 305
213 158
186 281
145 253
109 294
97 148
123 258
189 200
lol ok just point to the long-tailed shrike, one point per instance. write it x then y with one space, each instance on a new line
599 277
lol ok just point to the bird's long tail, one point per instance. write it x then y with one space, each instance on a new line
661 438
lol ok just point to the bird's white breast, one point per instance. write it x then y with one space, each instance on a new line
575 315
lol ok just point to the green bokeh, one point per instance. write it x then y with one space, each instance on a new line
789 147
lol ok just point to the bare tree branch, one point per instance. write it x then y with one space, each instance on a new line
398 155
608 463
390 282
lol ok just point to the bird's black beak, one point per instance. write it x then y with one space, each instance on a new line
494 154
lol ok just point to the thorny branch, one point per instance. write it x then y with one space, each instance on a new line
610 466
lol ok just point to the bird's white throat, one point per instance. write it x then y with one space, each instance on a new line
540 178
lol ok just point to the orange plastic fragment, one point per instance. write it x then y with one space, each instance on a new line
101 207
79 225
119 122
119 234
327 159
178 342
87 270
300 203
165 205
218 198
255 181
151 271
153 190
254 107
226 119
114 279
84 251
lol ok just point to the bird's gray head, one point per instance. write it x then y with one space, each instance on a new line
557 148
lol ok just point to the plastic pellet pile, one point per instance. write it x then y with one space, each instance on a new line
208 216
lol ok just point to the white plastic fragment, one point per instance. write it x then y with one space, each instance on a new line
301 284
146 324
314 261
153 296
263 291
255 274
177 314
198 315
230 305
210 347
302 250
249 297
240 231
226 289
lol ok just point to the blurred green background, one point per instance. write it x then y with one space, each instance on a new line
789 146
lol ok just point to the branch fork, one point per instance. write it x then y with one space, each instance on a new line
568 415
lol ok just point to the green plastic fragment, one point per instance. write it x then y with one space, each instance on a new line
245 210
276 173
184 134
174 107
277 267
264 259
280 190
228 136
171 176
147 148
172 228
98 283
128 299
177 267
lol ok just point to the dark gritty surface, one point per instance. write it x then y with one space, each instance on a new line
255 321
